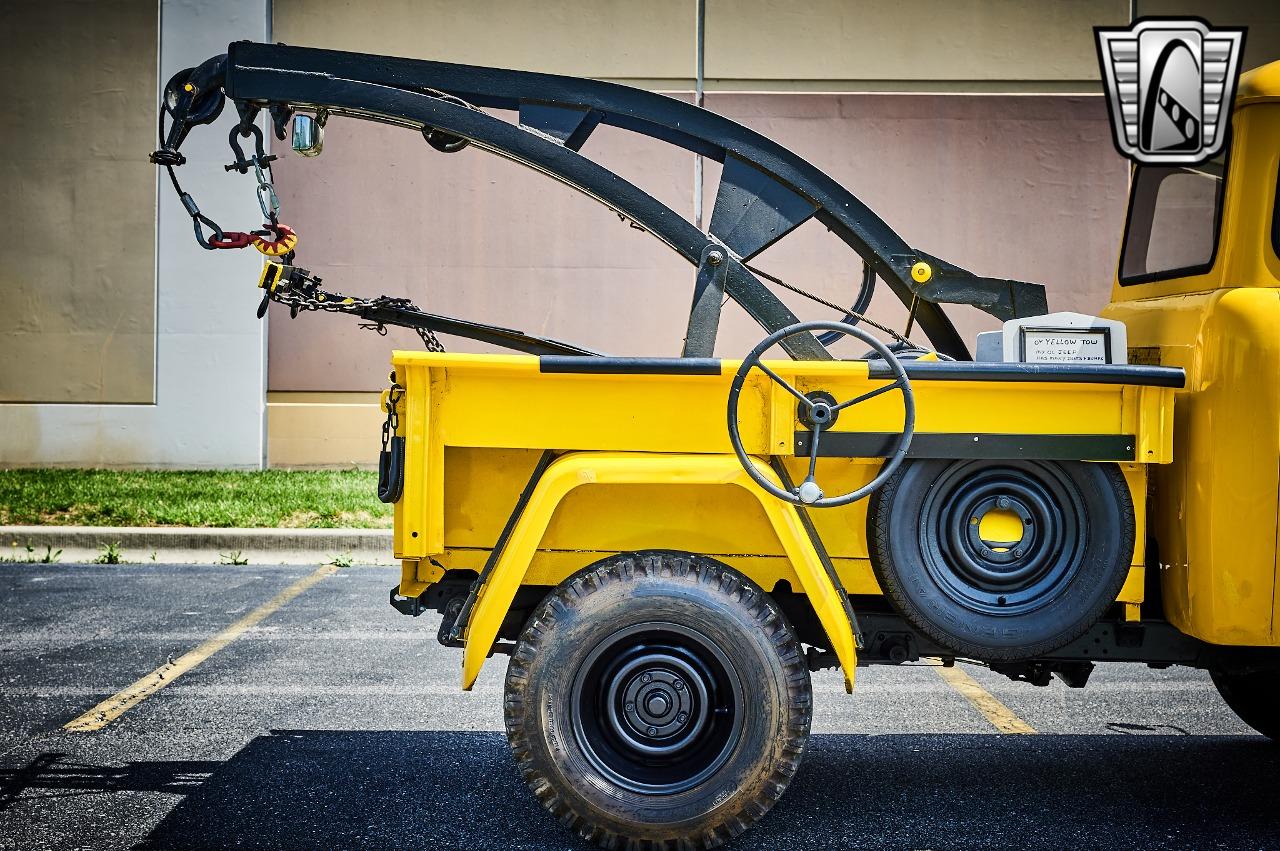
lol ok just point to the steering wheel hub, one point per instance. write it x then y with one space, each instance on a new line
818 411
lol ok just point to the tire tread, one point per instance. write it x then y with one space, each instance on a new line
635 567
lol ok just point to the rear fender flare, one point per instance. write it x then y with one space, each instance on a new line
582 468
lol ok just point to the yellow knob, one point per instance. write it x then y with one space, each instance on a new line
188 88
921 272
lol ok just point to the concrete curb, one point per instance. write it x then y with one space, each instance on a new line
199 546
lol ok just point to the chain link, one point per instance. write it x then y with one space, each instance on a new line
268 201
392 423
298 301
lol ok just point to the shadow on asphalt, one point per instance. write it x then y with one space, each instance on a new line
313 789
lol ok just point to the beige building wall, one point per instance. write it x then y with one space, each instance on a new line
648 43
972 126
907 45
976 128
77 200
1262 17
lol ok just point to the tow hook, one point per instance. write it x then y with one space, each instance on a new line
412 606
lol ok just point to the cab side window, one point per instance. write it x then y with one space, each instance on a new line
1275 218
1174 214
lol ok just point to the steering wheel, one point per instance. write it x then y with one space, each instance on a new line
819 411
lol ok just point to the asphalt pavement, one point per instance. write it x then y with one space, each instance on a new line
331 721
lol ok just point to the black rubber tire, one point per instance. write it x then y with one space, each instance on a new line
919 575
1254 697
633 591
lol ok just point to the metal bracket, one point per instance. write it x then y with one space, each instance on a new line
708 298
411 606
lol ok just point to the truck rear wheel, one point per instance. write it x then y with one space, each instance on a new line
1254 697
1002 560
659 697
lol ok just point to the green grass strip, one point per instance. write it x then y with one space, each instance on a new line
270 498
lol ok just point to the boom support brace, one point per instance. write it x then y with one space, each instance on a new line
765 191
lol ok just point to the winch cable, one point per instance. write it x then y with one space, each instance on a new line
862 317
167 159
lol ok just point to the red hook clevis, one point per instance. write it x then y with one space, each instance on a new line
230 239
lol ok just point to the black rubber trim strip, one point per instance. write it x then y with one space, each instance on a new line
630 366
1137 374
1039 447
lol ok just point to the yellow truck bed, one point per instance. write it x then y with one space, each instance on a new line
476 425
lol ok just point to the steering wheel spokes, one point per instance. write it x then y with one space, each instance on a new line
818 411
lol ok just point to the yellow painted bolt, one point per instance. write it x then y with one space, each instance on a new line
188 88
921 272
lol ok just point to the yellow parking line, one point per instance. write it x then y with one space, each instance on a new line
118 704
1000 716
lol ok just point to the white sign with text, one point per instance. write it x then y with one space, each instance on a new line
1065 338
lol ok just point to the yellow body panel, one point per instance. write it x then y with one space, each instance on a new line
727 523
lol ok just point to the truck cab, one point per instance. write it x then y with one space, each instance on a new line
1198 287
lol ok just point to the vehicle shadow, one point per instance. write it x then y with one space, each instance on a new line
376 789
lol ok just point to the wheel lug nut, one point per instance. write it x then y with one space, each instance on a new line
1017 553
631 707
682 717
646 678
678 685
1003 502
652 731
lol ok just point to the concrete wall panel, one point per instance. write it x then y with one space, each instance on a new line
472 235
982 45
1262 17
613 39
1026 187
209 399
77 198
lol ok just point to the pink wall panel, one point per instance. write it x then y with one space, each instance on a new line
1018 186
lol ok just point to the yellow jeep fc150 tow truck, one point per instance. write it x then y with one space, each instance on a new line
666 547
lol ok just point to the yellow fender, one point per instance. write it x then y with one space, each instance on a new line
624 468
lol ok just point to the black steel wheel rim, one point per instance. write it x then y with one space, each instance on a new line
657 708
1004 578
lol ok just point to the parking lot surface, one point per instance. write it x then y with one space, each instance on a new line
321 718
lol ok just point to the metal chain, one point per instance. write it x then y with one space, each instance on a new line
392 423
299 301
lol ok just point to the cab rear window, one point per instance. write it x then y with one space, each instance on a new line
1174 216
